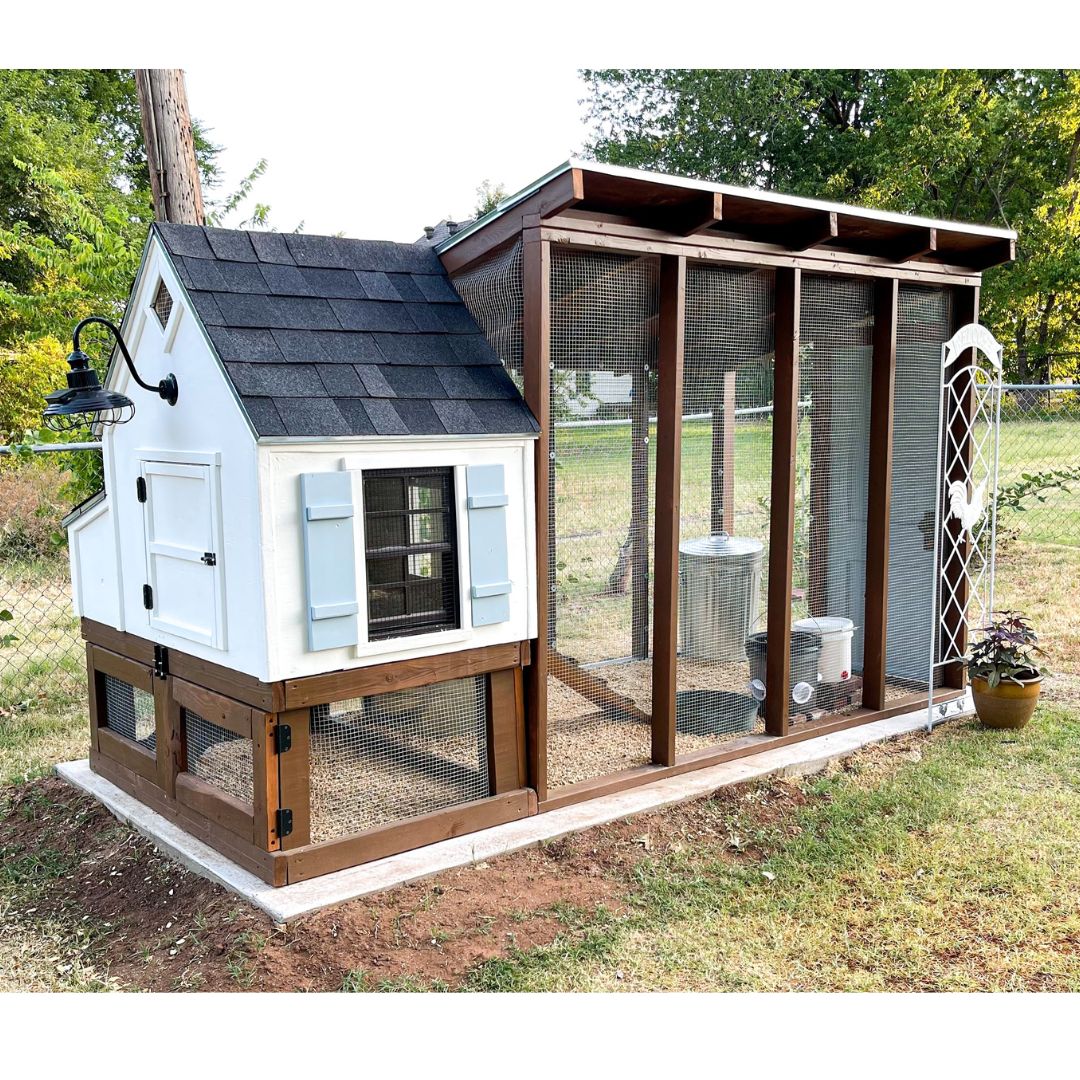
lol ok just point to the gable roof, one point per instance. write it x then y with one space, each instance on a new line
325 336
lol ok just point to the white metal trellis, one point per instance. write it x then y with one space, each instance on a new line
965 517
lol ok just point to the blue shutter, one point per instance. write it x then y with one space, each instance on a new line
329 559
488 559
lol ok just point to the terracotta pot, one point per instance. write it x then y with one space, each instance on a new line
1007 705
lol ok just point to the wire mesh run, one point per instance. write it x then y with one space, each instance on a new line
604 310
219 757
493 293
724 504
130 712
163 304
833 460
384 758
924 323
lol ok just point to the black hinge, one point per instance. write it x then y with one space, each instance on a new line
283 822
161 661
148 598
209 558
140 488
282 738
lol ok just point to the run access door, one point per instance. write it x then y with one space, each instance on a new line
184 592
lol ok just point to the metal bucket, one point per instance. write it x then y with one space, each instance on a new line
719 595
805 650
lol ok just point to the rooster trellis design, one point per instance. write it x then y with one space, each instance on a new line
965 526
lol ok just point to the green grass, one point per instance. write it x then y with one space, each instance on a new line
1029 446
956 870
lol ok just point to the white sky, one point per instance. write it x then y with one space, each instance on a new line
380 152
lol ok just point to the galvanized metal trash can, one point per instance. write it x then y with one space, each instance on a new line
719 595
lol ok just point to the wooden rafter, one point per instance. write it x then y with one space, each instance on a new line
921 242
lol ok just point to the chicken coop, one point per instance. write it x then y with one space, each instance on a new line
631 476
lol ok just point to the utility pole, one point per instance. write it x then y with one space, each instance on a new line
170 146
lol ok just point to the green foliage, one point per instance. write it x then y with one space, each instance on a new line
1037 486
992 146
1007 652
74 195
27 374
488 196
218 211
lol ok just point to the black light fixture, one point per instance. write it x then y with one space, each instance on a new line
85 400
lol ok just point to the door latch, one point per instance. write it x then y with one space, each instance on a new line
209 558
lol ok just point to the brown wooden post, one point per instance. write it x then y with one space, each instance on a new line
96 697
669 410
265 779
294 777
954 593
782 516
723 457
504 730
536 318
879 492
170 146
169 736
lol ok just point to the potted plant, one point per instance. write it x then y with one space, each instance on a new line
1005 671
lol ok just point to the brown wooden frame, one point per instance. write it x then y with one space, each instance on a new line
130 754
782 504
564 212
669 410
247 832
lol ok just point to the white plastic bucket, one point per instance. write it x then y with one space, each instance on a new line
836 632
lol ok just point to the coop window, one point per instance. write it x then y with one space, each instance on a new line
411 552
129 711
162 304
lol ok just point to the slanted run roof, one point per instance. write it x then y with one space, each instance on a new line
324 336
687 207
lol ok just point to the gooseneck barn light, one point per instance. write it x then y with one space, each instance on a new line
85 400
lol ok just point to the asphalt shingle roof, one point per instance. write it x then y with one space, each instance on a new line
323 336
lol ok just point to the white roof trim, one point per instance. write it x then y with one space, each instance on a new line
726 189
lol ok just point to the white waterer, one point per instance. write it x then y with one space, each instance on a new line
836 633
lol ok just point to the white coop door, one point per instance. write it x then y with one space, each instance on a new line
181 515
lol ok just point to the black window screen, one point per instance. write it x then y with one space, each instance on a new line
411 551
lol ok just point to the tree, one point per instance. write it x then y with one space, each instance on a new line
996 147
488 196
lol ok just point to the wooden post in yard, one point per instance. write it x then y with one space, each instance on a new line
170 146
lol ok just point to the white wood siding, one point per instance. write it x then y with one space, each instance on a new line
286 604
205 424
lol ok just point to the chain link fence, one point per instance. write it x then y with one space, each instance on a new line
1039 465
42 659
41 653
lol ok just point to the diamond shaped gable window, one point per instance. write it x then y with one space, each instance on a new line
162 304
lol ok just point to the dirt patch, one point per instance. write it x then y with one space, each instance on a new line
155 926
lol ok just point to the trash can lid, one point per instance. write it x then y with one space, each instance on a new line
721 546
824 624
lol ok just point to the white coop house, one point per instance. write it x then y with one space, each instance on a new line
327 542
350 594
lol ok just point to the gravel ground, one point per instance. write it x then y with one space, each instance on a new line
227 765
